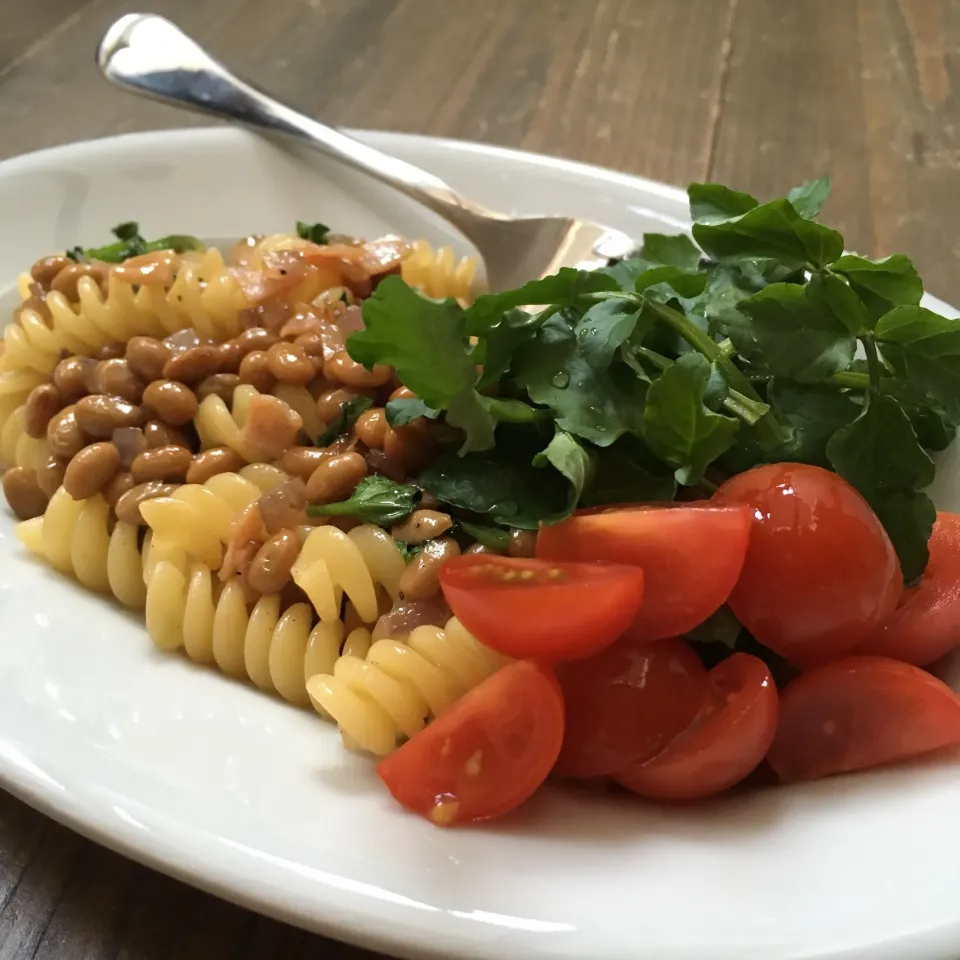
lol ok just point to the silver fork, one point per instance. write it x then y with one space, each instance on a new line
151 56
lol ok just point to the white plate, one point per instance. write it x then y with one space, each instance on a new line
234 792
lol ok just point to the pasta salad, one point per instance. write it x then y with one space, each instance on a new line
661 524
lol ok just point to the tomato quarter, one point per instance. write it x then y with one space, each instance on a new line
820 574
861 712
485 755
926 625
544 611
723 746
627 703
690 555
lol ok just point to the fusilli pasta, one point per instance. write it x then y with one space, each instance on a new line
438 273
277 649
29 343
400 685
17 448
221 426
205 296
75 537
333 563
197 518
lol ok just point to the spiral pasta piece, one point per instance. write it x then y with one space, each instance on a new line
17 448
197 519
401 685
276 649
333 564
205 295
301 401
15 387
438 273
75 537
30 343
219 425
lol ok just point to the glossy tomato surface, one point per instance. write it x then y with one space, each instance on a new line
545 611
820 575
926 624
690 554
485 755
861 712
723 746
627 703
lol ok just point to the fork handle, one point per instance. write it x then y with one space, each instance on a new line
151 56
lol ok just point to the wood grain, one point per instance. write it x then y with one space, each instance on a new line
867 91
757 93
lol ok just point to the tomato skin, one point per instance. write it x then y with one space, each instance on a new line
485 755
820 574
538 610
926 624
722 747
861 712
690 555
626 704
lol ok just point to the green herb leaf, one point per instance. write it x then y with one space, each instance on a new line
809 197
501 484
679 427
496 538
908 517
834 296
567 456
928 347
499 341
468 412
128 230
406 410
715 203
628 472
603 328
315 232
424 339
654 280
376 499
349 412
879 454
773 230
882 284
562 289
786 329
674 250
513 411
597 405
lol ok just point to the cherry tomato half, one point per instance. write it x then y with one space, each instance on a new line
544 611
627 703
926 625
861 712
723 746
485 755
690 555
821 574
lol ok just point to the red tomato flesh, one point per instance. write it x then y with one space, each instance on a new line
627 703
861 712
539 610
690 555
926 625
721 748
820 575
485 755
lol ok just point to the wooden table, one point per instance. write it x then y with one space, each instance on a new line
759 94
